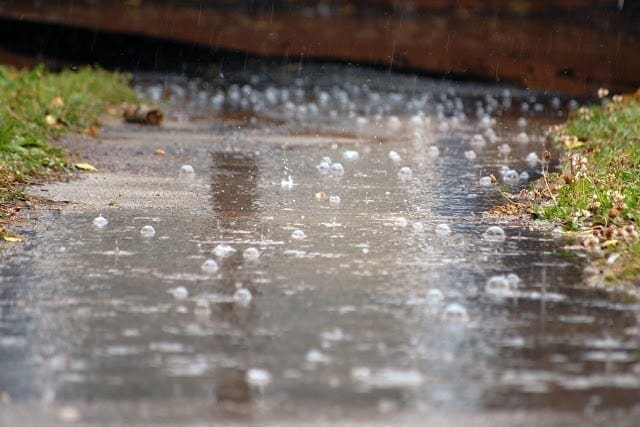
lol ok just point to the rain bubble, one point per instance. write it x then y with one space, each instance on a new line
336 169
434 151
298 235
499 286
522 138
455 313
443 230
323 168
514 280
400 222
522 122
147 231
258 378
350 155
251 254
242 296
334 200
210 266
434 295
485 181
100 221
223 250
186 170
504 149
494 234
404 173
470 155
179 293
394 156
490 135
417 226
532 159
511 177
478 141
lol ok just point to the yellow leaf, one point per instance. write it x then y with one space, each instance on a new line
85 167
573 144
608 243
11 239
51 120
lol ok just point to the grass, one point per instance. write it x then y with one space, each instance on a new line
597 194
38 106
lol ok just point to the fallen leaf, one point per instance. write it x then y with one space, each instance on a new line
51 120
12 239
609 243
91 130
159 152
85 167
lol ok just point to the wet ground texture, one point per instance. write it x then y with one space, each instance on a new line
310 246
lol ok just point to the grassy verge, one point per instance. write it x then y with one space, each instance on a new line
597 195
36 107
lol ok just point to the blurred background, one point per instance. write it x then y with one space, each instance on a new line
567 45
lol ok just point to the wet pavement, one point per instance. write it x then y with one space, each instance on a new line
276 286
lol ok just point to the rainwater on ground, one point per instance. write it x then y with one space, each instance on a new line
338 260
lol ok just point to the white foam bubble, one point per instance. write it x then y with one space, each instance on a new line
251 254
179 293
443 230
405 173
298 235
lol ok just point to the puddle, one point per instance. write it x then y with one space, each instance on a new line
378 285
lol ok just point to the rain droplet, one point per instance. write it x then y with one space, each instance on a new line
443 230
417 226
404 173
400 222
186 170
334 200
298 235
455 313
258 378
251 254
147 231
210 266
242 297
494 234
100 221
223 250
337 169
179 293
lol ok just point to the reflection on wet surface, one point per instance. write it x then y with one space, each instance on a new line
369 288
